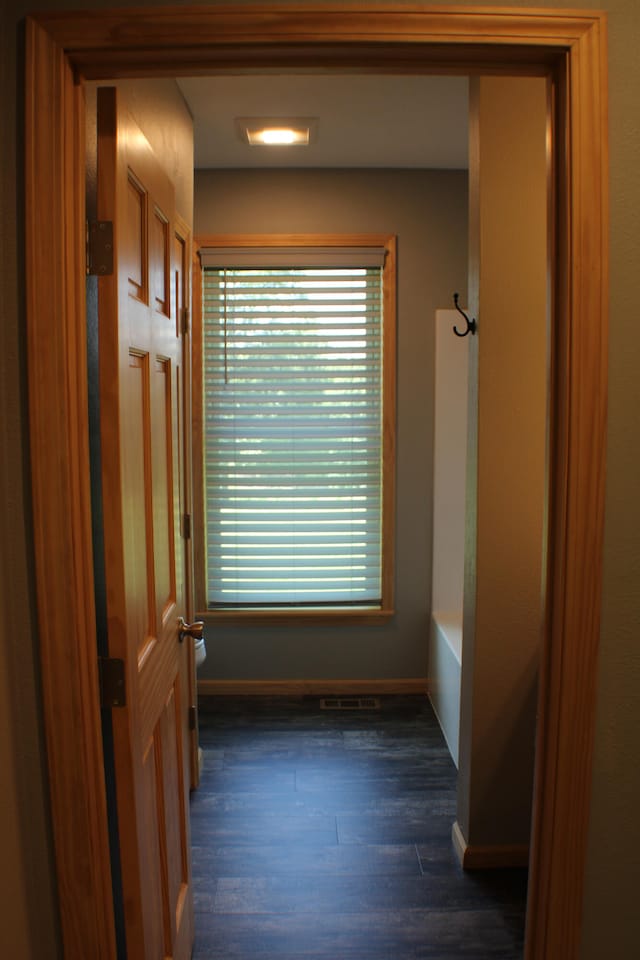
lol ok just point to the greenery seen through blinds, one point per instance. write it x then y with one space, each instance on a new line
293 445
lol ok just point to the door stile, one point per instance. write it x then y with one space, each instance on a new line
185 302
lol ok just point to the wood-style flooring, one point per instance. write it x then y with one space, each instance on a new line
327 835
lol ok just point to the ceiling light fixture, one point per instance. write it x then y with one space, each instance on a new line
282 136
276 131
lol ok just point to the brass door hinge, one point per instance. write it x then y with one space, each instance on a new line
192 718
185 321
99 248
112 683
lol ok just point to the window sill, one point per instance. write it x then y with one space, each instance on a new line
336 615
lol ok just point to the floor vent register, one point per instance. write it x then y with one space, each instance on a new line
349 703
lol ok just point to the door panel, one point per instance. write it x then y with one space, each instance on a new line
133 255
141 358
139 543
152 901
159 261
162 459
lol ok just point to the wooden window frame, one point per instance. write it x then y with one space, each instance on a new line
62 49
335 615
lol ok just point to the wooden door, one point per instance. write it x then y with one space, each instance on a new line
141 374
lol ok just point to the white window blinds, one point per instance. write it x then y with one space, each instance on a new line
293 431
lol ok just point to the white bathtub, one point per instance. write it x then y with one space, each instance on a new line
445 659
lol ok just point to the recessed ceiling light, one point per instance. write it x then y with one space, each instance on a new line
278 135
277 131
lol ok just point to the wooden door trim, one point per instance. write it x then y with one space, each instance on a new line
388 242
58 404
570 47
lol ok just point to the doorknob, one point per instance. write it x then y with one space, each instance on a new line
194 629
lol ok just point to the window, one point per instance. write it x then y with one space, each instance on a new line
298 359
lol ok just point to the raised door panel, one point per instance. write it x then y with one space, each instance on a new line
166 841
179 277
159 261
152 900
134 246
138 526
176 846
163 490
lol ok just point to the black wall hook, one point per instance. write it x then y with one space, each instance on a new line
471 324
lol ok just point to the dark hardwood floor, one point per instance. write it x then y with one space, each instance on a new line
327 834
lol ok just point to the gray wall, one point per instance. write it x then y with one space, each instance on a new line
427 210
506 460
27 901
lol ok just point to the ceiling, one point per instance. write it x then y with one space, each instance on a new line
362 120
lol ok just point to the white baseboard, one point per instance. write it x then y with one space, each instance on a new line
489 857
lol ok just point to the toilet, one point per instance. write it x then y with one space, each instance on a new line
200 651
199 656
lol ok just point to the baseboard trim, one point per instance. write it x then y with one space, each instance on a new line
300 688
488 857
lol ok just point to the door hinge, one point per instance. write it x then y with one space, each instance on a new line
99 248
186 526
192 718
112 685
185 321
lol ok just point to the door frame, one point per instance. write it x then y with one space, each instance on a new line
65 48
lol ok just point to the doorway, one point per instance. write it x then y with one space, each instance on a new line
54 171
428 210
